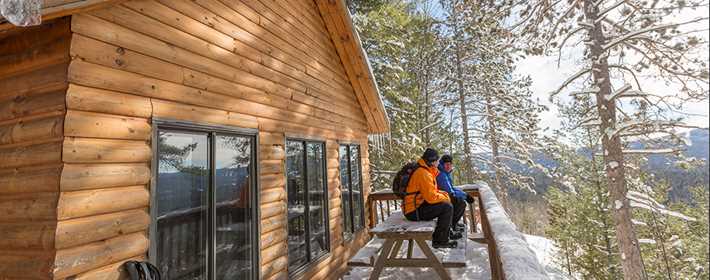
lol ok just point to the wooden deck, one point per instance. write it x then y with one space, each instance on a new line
384 203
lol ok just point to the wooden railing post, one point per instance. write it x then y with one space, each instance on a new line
493 258
371 206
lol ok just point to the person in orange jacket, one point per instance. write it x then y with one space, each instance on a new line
425 202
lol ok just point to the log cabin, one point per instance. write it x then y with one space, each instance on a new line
218 139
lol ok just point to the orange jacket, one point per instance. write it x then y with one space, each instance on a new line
424 181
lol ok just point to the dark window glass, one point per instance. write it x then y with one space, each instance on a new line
351 189
356 189
234 207
345 191
307 202
317 194
205 226
182 200
297 254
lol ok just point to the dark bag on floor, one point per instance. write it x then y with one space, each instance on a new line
142 270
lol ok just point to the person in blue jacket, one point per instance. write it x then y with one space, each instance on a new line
458 197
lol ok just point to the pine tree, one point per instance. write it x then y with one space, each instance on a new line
403 42
698 233
624 39
497 113
580 218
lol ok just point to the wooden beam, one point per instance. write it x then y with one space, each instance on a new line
104 101
96 125
42 178
101 201
95 176
84 258
92 150
89 229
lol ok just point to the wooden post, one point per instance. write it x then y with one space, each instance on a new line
371 206
493 258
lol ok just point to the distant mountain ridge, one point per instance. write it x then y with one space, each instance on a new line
661 165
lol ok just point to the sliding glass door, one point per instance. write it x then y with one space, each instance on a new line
182 201
204 204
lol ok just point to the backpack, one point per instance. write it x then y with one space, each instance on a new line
142 270
401 180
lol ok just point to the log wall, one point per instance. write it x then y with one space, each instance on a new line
33 71
262 64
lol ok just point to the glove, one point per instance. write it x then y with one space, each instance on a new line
469 198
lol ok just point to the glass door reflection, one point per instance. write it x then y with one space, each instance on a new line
182 204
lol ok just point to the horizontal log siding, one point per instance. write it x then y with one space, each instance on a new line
33 71
269 65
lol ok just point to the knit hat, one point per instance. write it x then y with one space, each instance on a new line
430 155
446 158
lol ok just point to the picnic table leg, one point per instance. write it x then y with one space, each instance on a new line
397 247
380 263
410 247
435 262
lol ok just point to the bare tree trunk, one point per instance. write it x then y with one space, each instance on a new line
427 113
468 155
598 184
495 154
464 118
631 263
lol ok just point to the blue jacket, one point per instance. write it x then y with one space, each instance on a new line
445 183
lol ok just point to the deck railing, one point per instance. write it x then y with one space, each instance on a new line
508 253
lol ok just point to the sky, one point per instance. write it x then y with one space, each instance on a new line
547 76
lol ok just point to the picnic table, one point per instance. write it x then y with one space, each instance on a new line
384 249
387 195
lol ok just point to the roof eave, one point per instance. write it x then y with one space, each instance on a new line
339 23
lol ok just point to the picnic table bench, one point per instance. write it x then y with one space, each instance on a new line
385 248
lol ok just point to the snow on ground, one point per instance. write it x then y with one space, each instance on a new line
545 251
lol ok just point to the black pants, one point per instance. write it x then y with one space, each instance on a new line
459 209
442 212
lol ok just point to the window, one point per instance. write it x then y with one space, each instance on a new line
204 204
307 203
351 190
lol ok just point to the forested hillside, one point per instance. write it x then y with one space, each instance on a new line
621 183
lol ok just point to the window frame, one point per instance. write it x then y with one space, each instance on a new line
312 262
350 236
212 131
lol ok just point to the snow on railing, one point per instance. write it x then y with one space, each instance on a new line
516 259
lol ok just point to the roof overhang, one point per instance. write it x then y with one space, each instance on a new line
339 23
